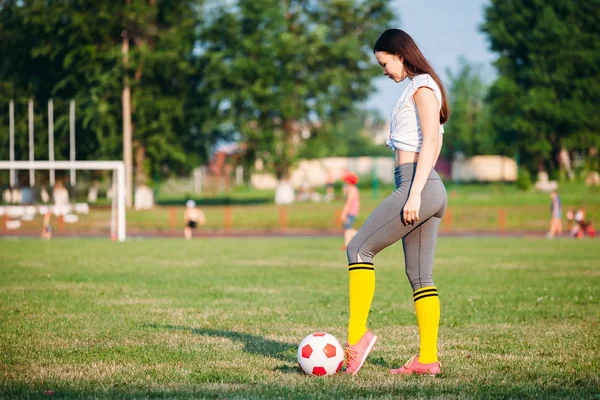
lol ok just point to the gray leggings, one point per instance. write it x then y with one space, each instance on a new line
385 227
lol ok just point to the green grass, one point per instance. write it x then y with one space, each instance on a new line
572 194
491 194
480 194
216 318
472 208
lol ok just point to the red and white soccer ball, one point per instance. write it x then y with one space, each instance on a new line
320 354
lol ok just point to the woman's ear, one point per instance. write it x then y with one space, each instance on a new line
400 58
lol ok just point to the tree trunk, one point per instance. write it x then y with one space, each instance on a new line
141 177
127 126
288 150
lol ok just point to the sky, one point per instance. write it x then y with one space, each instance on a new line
444 30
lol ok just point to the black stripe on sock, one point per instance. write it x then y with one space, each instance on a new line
360 263
365 267
426 295
424 291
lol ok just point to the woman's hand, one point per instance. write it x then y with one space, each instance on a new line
411 209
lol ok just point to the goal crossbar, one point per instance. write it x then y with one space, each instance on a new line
118 166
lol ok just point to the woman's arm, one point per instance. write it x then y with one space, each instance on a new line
429 117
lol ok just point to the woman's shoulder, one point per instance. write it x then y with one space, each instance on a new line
424 80
417 82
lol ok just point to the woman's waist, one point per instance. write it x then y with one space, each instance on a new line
405 173
405 157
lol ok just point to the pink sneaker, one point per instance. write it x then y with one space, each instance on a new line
357 354
414 366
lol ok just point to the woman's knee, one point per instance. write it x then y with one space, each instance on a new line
352 251
356 252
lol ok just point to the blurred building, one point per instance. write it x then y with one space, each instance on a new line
484 169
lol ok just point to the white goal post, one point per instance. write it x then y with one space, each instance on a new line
116 166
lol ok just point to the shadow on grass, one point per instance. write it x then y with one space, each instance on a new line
258 345
380 362
253 344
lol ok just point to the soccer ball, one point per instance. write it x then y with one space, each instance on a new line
320 354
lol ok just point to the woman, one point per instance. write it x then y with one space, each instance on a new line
412 213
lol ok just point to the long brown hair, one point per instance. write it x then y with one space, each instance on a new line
399 43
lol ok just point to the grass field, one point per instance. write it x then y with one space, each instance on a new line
221 318
472 208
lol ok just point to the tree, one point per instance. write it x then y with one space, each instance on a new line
351 136
468 126
161 35
547 92
72 49
291 66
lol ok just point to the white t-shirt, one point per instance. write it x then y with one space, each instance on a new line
405 126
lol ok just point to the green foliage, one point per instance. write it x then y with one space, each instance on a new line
64 51
350 136
468 125
259 72
524 179
284 68
548 91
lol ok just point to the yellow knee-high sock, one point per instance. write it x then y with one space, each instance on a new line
427 304
362 287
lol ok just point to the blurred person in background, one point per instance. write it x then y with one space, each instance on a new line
46 227
582 226
60 194
351 207
556 216
192 218
412 213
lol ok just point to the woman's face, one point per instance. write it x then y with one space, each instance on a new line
393 67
